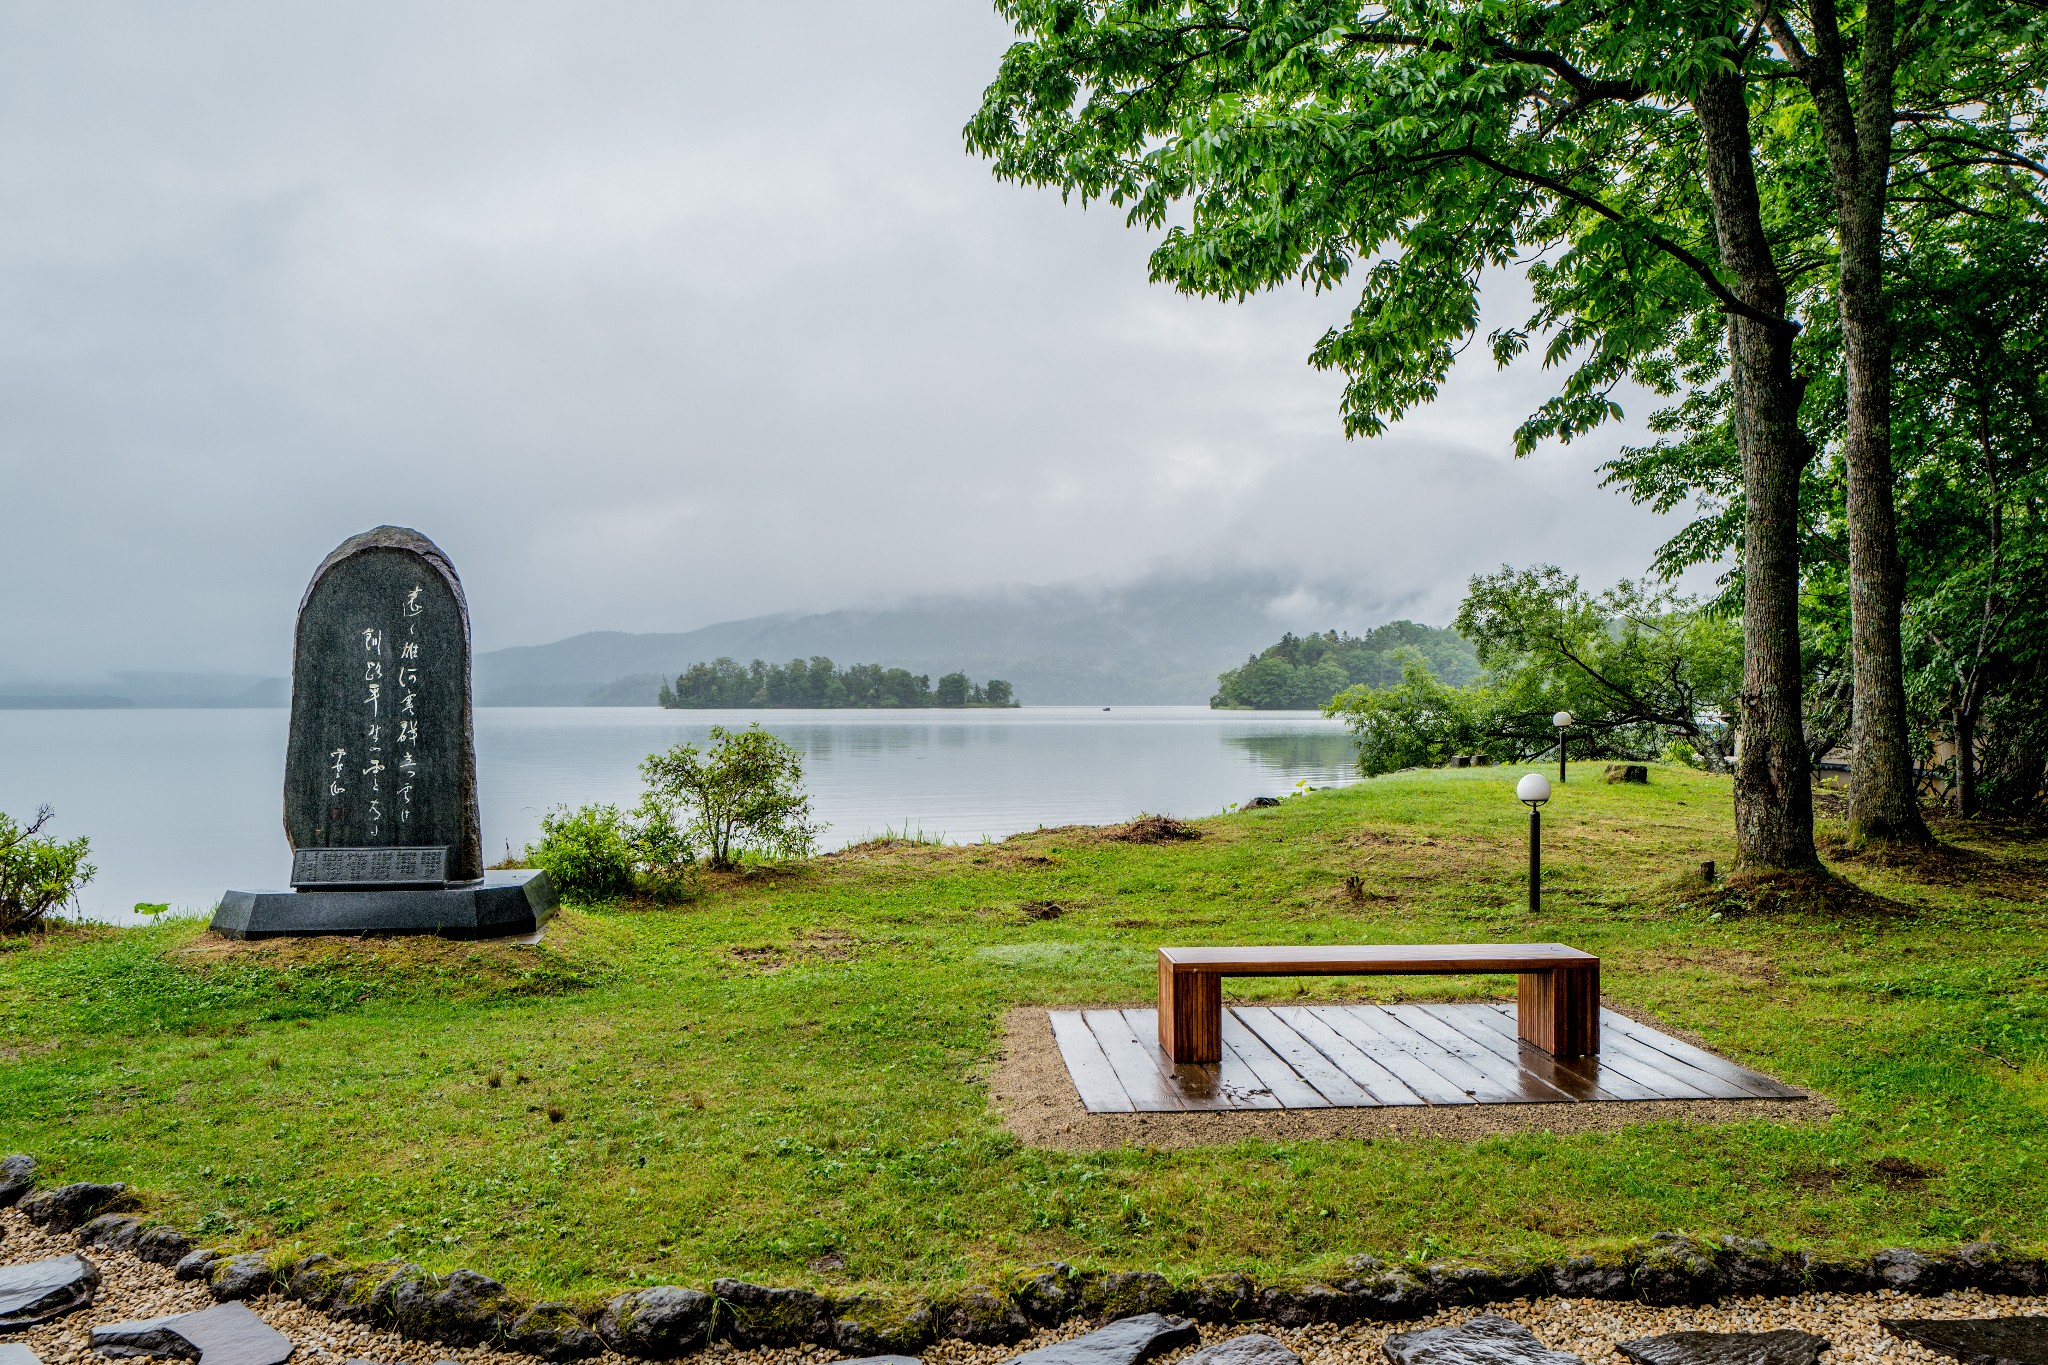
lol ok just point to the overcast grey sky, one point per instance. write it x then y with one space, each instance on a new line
652 314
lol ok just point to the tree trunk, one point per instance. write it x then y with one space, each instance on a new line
1773 782
1964 719
1884 803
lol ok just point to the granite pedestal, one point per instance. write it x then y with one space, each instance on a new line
502 905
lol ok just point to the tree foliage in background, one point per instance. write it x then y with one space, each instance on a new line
1971 436
1639 670
1302 673
38 874
726 684
745 795
1609 151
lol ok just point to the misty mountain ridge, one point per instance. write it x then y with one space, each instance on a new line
1160 639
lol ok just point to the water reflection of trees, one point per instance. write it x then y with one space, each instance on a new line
1300 755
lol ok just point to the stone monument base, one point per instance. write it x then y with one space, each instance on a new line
502 905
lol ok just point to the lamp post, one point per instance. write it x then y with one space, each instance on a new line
1563 721
1532 791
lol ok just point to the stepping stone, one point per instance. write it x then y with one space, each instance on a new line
226 1334
1124 1342
1488 1339
41 1290
1254 1348
1978 1341
1782 1347
18 1355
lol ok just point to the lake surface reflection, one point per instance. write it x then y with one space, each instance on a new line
181 805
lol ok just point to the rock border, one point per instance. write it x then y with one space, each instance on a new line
664 1322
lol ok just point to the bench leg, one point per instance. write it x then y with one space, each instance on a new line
1559 1010
1190 1015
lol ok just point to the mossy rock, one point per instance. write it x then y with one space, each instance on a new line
1752 1268
756 1315
1048 1293
983 1316
1997 1269
553 1331
1392 1294
872 1325
1601 1275
1671 1268
1226 1297
1299 1303
1127 1293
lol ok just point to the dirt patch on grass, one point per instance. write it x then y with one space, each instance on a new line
1036 1099
1817 894
812 945
1041 910
1152 829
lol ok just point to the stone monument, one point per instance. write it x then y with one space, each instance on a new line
380 768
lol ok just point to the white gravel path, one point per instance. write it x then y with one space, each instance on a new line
1588 1328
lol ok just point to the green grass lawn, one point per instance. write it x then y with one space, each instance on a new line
792 1063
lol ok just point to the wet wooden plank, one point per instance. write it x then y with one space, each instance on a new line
1672 1080
1204 1086
1101 1092
1503 1080
1758 1084
1286 1086
1449 1057
1582 1078
1625 1076
1454 1027
1308 1061
1132 1058
1383 1085
1403 1053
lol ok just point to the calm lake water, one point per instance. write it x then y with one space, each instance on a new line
182 805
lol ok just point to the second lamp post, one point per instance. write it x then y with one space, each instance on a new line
1563 721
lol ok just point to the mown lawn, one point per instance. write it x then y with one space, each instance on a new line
791 1065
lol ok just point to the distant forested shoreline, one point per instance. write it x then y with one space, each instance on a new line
1302 672
727 684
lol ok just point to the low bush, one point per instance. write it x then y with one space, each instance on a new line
586 852
37 874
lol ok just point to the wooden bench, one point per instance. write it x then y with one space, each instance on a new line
1557 997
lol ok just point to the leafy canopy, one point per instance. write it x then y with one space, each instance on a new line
1638 670
1413 145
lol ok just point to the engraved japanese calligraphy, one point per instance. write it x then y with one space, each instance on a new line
381 753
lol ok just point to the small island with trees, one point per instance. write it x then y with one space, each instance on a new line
726 684
1303 672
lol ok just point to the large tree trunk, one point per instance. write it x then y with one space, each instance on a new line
1773 783
1884 803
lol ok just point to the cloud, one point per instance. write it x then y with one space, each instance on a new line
652 314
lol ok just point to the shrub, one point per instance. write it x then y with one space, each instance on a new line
745 795
37 874
586 852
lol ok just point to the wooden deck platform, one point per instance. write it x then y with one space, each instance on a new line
1364 1056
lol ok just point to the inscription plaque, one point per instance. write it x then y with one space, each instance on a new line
335 868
